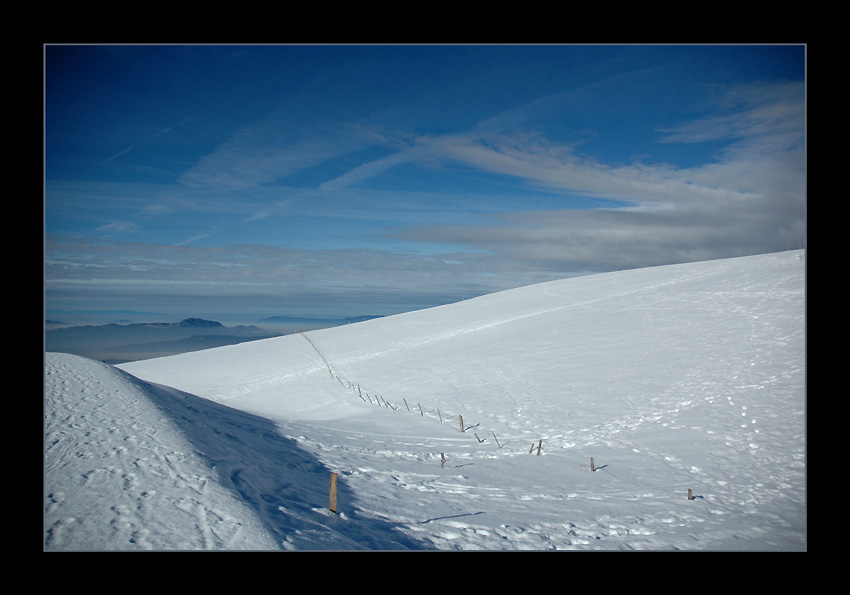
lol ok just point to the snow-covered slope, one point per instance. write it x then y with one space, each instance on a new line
670 378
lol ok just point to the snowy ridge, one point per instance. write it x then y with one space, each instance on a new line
671 378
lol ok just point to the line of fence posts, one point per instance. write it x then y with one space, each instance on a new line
379 398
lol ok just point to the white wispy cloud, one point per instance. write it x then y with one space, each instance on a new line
751 198
79 270
118 227
200 236
116 155
760 124
762 116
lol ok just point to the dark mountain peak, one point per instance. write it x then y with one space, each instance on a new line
199 322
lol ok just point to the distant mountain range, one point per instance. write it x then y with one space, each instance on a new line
117 343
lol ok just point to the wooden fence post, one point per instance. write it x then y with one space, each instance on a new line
539 444
592 467
690 494
442 460
405 403
460 417
332 506
439 415
497 440
420 409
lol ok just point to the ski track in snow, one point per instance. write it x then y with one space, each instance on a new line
723 414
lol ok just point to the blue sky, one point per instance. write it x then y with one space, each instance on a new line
335 179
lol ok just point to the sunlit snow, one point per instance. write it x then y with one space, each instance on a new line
674 378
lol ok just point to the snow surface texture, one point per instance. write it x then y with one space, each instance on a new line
676 378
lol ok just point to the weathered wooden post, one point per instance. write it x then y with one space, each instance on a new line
442 460
690 494
477 438
420 409
439 415
460 417
592 467
405 403
497 440
539 444
332 506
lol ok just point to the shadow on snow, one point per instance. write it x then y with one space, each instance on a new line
287 487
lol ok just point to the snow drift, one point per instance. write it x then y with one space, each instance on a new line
467 426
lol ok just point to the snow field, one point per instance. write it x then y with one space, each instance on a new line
691 376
